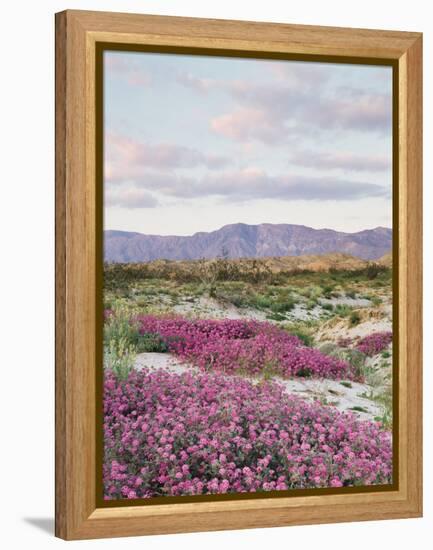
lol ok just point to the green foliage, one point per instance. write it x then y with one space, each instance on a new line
121 275
118 329
354 319
373 270
276 317
302 331
119 357
250 270
283 306
262 302
235 298
385 419
359 409
122 341
343 310
304 373
376 301
149 343
353 356
328 291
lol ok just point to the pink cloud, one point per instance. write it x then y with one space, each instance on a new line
127 159
122 67
246 124
298 105
244 185
353 111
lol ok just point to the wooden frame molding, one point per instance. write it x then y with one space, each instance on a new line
77 36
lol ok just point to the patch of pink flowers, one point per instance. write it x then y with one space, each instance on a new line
243 347
194 433
108 314
374 343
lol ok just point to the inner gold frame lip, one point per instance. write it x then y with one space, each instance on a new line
99 48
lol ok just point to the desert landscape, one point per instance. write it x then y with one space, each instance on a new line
247 374
248 296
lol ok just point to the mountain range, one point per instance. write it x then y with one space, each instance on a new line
241 240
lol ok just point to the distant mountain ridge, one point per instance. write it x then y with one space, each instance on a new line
241 240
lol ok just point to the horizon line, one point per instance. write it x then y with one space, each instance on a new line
249 225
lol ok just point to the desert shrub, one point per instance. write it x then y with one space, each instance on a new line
376 300
357 360
255 271
118 334
149 343
276 317
354 319
223 269
372 271
142 302
118 275
328 291
282 306
123 340
235 298
343 310
188 434
327 307
119 358
357 408
304 333
305 292
118 328
262 302
354 357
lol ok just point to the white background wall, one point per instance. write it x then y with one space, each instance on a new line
27 269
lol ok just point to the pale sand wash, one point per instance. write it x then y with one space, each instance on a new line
329 392
206 307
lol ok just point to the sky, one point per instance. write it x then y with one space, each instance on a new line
192 143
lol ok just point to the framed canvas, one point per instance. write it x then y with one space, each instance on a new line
238 274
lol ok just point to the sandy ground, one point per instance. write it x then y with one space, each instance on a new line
346 301
207 307
329 392
334 330
210 308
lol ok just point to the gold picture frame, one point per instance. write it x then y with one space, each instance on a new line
81 37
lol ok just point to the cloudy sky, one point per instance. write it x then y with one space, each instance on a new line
194 143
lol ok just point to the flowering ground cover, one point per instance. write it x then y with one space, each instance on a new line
242 347
374 343
199 433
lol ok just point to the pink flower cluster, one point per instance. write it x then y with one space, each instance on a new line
193 433
108 314
374 343
242 347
